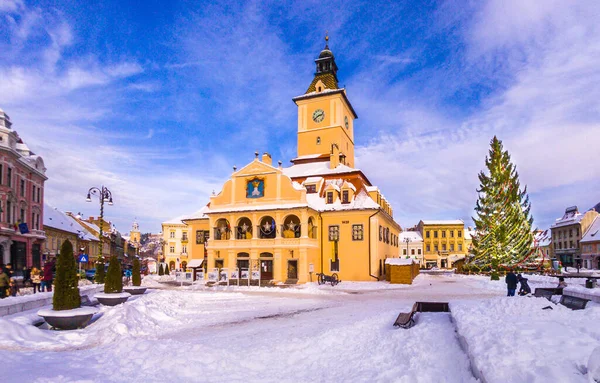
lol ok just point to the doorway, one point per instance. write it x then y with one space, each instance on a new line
18 255
292 270
266 269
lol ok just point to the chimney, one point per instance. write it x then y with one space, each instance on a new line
266 158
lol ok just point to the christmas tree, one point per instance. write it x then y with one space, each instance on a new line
66 290
136 280
99 277
503 224
114 277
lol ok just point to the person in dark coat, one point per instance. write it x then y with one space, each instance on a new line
4 282
511 283
48 275
525 289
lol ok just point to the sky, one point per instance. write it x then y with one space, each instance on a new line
159 100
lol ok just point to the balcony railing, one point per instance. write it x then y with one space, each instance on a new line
242 232
289 232
266 233
221 234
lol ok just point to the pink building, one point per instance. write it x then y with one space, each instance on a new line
22 177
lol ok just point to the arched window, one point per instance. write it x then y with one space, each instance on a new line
291 227
243 229
267 227
183 265
318 140
318 89
171 265
222 229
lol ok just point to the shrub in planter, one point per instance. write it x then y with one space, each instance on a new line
100 275
166 269
114 278
136 279
66 290
161 271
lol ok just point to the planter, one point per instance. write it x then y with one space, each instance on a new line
68 319
112 299
135 290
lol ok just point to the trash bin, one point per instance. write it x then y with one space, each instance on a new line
590 283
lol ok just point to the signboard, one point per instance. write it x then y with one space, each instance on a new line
213 275
255 274
223 276
311 268
83 258
245 273
23 228
200 275
235 273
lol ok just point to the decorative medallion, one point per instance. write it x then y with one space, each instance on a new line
255 188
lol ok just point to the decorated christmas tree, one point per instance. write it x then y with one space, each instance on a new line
114 277
136 280
100 275
503 224
66 290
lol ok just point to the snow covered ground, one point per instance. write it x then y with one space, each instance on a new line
313 333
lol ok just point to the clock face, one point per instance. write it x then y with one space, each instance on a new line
346 122
318 115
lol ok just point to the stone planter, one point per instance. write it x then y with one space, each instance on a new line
135 290
112 299
68 319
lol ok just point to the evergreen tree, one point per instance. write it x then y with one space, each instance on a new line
135 273
167 269
100 274
66 289
114 277
503 224
161 271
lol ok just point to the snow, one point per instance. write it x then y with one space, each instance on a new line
195 263
68 313
593 366
592 234
316 169
414 236
112 295
56 219
312 180
360 201
444 222
400 261
312 333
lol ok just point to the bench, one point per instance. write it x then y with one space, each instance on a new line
544 292
573 303
407 320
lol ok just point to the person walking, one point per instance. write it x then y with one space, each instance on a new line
35 279
4 281
511 283
48 275
13 289
26 276
525 289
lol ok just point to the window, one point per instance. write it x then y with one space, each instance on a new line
451 247
404 251
329 197
577 232
380 233
9 177
460 234
172 234
412 251
357 232
451 233
22 215
460 247
428 248
435 234
318 140
419 251
334 233
570 243
171 249
345 196
435 248
184 236
443 233
443 247
184 249
570 232
33 193
1 173
200 237
311 188
427 234
22 187
8 211
38 195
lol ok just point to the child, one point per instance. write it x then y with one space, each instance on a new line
525 289
561 283
13 288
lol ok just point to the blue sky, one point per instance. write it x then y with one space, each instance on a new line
159 102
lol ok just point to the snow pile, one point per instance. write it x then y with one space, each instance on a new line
155 280
514 340
594 366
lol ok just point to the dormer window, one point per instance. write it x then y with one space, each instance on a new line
312 188
345 196
319 89
329 197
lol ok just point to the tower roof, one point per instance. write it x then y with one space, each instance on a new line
326 70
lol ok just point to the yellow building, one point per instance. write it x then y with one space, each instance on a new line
443 242
320 215
176 252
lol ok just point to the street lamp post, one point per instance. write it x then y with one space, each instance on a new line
407 240
104 195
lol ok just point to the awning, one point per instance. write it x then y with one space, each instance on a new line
194 263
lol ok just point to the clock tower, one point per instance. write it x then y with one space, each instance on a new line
325 116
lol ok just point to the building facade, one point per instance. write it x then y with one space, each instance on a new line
176 237
443 242
567 233
22 178
590 246
411 245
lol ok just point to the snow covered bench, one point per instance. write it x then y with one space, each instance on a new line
407 320
544 292
573 303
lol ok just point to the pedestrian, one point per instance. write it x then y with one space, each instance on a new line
525 289
8 270
561 283
4 281
12 287
511 283
48 276
36 279
26 276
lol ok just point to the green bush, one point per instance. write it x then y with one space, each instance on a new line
66 290
495 276
100 275
114 277
135 273
161 271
